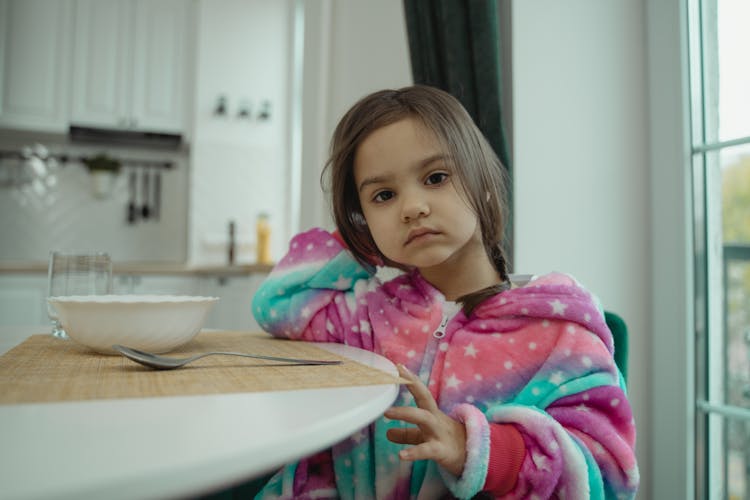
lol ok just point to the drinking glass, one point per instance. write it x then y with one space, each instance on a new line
76 274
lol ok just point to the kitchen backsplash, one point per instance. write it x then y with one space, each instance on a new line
68 216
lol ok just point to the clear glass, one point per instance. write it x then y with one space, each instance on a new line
731 467
76 274
735 222
733 43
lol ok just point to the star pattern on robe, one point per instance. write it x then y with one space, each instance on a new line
558 307
453 382
342 283
470 350
540 461
358 437
556 378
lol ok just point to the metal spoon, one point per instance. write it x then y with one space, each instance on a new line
166 363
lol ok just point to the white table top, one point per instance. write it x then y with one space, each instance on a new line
170 447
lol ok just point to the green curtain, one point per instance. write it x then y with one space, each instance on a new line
454 45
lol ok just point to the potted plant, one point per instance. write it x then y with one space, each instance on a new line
102 170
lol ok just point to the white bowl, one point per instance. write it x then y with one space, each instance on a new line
154 323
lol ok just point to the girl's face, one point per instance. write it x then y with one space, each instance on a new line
411 198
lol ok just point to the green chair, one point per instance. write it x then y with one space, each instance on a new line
620 337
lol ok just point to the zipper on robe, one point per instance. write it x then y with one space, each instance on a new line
425 370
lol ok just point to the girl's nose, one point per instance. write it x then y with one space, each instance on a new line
414 207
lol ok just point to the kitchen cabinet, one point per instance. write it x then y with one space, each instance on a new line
233 310
235 293
131 64
23 297
130 284
23 300
35 56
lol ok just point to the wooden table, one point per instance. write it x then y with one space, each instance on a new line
171 447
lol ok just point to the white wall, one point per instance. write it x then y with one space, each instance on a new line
353 47
240 167
582 162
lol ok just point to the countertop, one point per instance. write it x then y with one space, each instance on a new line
142 268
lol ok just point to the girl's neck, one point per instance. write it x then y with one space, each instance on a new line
456 278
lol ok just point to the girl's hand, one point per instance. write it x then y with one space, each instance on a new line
437 436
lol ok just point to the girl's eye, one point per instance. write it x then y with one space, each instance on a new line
436 178
382 196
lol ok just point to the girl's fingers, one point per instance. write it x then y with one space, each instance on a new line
411 435
423 451
416 416
422 396
437 436
406 373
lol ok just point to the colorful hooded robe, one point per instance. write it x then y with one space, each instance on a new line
538 357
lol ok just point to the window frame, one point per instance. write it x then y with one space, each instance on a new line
673 415
712 408
684 258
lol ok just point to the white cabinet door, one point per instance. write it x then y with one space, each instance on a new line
160 71
235 293
35 43
102 63
128 284
23 297
23 300
233 310
131 64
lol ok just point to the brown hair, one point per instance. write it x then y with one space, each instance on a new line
481 175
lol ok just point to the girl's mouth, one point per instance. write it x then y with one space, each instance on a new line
419 234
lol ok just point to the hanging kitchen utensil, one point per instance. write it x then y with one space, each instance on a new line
156 205
145 210
132 187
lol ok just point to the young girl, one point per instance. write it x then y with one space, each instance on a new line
514 391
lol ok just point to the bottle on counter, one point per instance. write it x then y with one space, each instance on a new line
232 243
263 239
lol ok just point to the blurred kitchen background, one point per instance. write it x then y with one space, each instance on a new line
161 131
204 87
225 109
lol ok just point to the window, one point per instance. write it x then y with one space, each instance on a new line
719 40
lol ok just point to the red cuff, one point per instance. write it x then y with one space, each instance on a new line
507 451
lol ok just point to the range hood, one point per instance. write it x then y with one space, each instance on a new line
116 137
